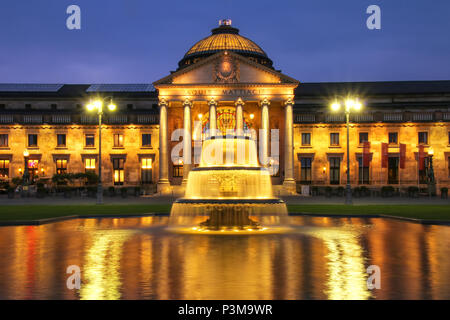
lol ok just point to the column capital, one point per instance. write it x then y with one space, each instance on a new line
162 102
289 101
187 103
265 102
239 102
212 103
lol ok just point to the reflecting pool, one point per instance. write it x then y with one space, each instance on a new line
137 258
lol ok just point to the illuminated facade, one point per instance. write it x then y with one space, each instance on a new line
223 82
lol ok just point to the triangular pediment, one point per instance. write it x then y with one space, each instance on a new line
225 68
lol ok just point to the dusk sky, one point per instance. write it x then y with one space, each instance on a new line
140 41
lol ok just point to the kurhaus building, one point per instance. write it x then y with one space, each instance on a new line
226 81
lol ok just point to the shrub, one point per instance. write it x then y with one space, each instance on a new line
387 191
124 192
365 192
328 191
111 191
340 191
137 191
444 192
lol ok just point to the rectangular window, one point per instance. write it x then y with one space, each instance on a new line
33 167
146 140
393 137
177 170
334 139
118 140
61 166
363 172
306 139
118 165
61 140
32 140
3 140
89 164
146 170
448 162
423 137
335 172
90 140
305 170
363 137
393 170
4 169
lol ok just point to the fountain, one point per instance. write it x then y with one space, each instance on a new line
228 191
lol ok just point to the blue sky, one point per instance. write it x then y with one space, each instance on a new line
140 41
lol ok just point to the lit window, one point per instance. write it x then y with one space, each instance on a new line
61 166
89 164
33 166
3 140
146 170
4 169
119 175
178 169
118 140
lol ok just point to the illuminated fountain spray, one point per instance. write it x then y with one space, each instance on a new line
229 191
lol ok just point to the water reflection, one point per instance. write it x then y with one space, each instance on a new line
136 258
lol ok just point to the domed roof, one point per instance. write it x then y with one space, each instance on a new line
225 37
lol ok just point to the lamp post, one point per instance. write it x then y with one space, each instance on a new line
350 104
98 105
26 174
431 179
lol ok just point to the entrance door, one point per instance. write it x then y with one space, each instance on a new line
393 170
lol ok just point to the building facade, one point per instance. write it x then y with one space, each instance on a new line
227 82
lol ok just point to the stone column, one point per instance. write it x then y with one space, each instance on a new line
239 117
212 117
289 182
187 140
264 133
163 183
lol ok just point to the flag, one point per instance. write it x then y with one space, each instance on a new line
421 158
402 155
384 155
366 154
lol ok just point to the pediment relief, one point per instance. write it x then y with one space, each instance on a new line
225 68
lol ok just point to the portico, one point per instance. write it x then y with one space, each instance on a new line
251 100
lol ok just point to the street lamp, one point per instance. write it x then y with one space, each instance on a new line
98 105
351 104
26 174
431 179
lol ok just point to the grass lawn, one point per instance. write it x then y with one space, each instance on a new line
35 212
427 212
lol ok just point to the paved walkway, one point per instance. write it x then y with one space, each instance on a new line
168 199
